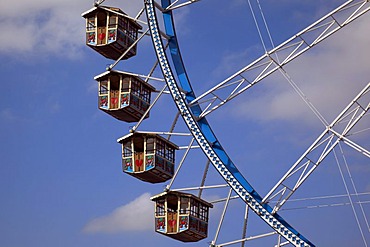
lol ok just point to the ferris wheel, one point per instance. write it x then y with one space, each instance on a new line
149 155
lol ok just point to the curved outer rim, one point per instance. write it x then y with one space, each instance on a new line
202 131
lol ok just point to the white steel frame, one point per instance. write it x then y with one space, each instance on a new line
327 141
280 56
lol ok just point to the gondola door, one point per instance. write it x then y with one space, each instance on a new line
114 99
139 161
171 222
102 28
114 86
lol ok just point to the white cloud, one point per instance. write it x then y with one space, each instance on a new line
137 215
330 75
41 27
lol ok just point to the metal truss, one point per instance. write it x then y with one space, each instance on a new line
338 131
280 56
178 4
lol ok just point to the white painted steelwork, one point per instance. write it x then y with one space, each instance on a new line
287 51
328 139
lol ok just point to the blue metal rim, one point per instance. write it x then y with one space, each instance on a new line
214 151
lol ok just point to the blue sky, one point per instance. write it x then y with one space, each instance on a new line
61 182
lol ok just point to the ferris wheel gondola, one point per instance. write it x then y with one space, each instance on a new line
111 32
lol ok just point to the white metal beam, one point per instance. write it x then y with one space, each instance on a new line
328 139
287 52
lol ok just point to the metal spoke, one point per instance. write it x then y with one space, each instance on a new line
287 52
306 165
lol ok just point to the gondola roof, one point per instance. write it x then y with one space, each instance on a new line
177 193
106 73
109 9
120 140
